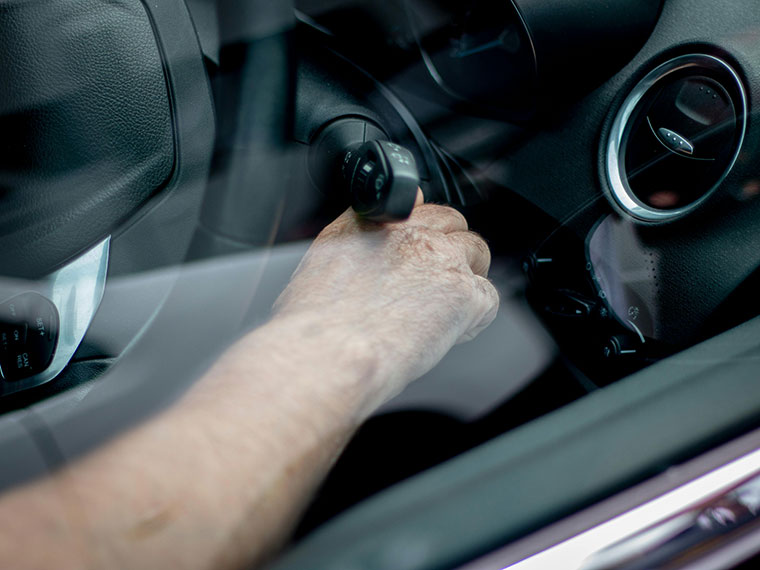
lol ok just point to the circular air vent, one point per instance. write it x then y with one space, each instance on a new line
676 137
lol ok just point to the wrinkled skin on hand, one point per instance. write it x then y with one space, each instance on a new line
409 290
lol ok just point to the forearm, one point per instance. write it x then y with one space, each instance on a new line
219 479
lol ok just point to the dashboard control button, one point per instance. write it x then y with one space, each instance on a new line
14 336
12 311
533 266
569 304
621 345
675 142
28 335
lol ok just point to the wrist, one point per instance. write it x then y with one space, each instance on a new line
327 358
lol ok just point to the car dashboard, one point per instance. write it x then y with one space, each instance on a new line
607 152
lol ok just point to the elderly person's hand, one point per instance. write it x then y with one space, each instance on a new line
219 479
410 290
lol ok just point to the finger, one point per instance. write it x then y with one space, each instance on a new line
350 218
475 249
420 199
350 221
440 218
488 308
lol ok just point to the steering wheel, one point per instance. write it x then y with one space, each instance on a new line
111 140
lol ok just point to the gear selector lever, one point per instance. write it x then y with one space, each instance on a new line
382 180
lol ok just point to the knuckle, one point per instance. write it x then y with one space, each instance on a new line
472 249
477 242
429 208
489 292
459 216
455 217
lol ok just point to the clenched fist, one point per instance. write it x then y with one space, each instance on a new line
408 290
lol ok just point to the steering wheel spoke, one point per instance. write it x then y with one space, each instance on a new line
42 323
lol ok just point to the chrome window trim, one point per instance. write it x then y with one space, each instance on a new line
579 552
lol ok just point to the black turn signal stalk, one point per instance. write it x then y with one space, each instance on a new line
382 180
